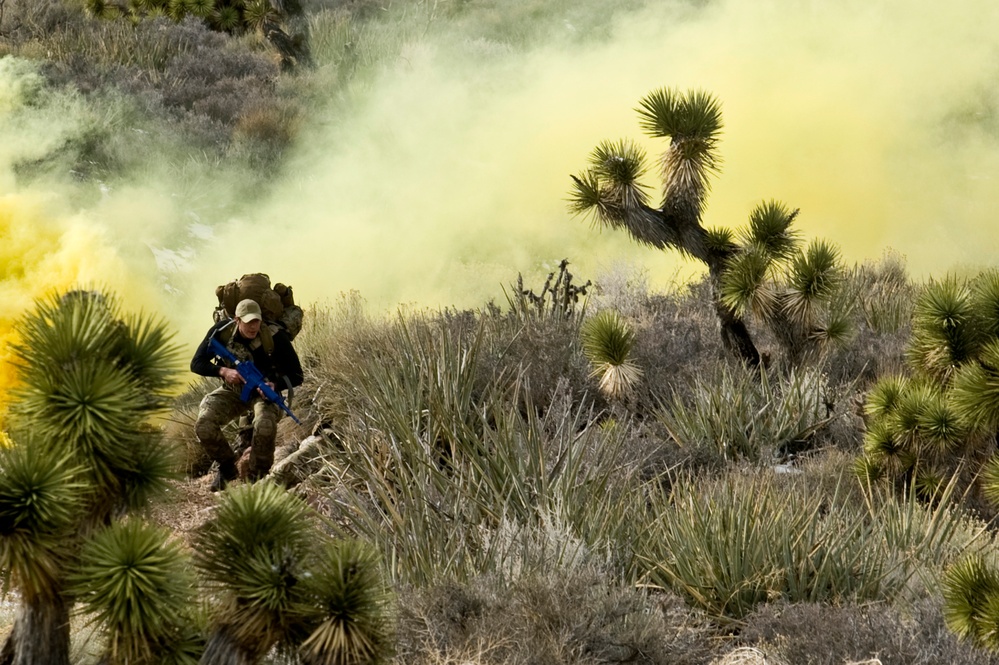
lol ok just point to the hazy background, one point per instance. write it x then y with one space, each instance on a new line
441 174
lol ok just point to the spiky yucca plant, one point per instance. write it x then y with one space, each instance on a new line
945 331
608 341
914 435
944 417
352 601
971 601
762 272
254 553
134 583
39 506
90 380
975 390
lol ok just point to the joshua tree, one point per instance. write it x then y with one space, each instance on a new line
82 453
763 271
944 414
278 581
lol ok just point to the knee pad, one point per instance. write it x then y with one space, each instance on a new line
265 428
206 430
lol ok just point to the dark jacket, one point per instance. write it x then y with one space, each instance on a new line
280 363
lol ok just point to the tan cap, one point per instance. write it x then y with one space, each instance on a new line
248 310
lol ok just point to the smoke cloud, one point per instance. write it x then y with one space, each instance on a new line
878 119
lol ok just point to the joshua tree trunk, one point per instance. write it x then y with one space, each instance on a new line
40 634
734 333
224 649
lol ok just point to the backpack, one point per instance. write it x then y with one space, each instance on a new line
277 303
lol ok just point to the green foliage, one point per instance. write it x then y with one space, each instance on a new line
975 391
278 581
945 333
813 278
884 395
797 293
743 414
731 545
134 583
452 481
720 240
745 288
225 15
253 552
90 382
971 601
693 115
613 180
607 342
770 230
622 163
352 599
39 505
990 480
940 421
914 433
985 289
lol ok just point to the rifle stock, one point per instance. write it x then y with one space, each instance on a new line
254 379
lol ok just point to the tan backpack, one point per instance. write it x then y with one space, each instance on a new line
277 303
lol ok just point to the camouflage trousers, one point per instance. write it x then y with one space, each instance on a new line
222 406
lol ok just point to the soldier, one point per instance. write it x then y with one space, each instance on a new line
247 338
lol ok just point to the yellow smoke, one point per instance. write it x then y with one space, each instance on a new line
42 253
879 119
871 117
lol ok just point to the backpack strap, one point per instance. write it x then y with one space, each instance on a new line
224 334
266 337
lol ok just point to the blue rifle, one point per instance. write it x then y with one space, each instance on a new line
253 377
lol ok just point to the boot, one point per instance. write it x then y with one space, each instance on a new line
227 472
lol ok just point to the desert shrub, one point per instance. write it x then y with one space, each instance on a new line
455 483
676 339
823 634
745 414
275 580
182 84
452 457
190 79
545 354
882 298
574 617
24 20
730 544
534 342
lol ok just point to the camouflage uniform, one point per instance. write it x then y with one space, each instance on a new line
223 405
